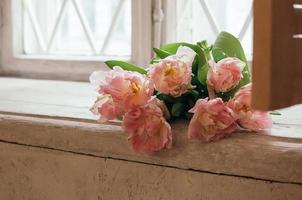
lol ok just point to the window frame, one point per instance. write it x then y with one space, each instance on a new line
151 21
170 22
15 63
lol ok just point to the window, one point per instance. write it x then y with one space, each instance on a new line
68 39
77 27
195 20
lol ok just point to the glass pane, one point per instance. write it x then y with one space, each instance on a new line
71 37
97 27
200 19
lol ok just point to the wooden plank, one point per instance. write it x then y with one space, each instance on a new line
298 21
48 98
297 90
262 54
298 54
289 117
274 158
297 81
61 99
270 76
298 1
83 135
61 93
31 108
33 173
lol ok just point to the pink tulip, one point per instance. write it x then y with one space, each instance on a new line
211 121
125 89
257 121
147 128
106 108
225 75
247 117
162 106
172 75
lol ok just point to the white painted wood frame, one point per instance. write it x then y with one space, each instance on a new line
15 63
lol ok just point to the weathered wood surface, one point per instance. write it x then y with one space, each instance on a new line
277 73
59 119
298 20
257 156
62 99
49 98
29 173
298 1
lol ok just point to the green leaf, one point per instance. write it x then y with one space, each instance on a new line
275 113
165 98
226 45
191 103
203 44
194 93
230 45
125 66
203 66
172 47
195 64
218 55
177 109
161 53
195 80
155 60
207 49
202 74
188 115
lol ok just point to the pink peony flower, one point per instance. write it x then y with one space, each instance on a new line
212 120
106 108
225 75
172 75
257 121
163 107
126 90
147 128
248 118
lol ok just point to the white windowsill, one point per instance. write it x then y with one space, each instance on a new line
74 58
55 114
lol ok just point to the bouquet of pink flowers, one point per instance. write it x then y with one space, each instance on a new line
208 85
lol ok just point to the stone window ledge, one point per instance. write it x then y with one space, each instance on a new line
55 115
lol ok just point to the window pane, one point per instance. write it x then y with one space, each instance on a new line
197 20
77 27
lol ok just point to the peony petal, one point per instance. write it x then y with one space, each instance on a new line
211 121
225 75
98 78
147 129
98 103
186 54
